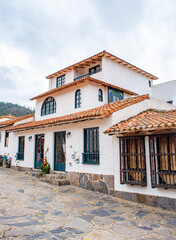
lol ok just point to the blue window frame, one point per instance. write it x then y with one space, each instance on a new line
21 144
100 95
114 95
78 98
91 146
49 106
60 81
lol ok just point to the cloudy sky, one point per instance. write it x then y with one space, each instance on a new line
39 37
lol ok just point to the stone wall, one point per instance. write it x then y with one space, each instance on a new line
94 182
155 201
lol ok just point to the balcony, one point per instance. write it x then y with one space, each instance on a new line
20 156
88 74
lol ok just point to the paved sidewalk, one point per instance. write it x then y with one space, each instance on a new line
31 209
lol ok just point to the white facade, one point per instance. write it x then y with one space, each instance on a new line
165 91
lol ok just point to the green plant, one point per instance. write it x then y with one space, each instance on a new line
45 166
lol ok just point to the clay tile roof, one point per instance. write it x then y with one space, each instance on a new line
99 112
89 79
97 57
14 120
151 119
8 116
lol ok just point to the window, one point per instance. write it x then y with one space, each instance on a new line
171 102
100 95
49 106
91 146
150 84
132 161
6 139
94 69
163 160
20 153
60 81
114 95
78 98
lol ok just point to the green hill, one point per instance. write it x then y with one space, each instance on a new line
14 109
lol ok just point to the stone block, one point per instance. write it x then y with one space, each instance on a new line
95 177
109 180
74 179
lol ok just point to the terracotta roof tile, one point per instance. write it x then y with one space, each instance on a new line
98 56
90 79
148 120
14 120
99 112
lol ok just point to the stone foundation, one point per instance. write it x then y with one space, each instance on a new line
94 182
155 201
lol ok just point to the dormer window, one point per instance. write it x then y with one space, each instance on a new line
49 106
78 98
94 69
100 95
60 81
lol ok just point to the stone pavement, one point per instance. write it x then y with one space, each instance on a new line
31 209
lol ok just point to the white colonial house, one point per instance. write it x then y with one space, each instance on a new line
104 130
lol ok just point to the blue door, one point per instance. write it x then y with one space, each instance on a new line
39 149
59 151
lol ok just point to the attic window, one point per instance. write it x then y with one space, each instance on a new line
60 81
94 69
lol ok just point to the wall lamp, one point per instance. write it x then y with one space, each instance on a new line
68 134
30 138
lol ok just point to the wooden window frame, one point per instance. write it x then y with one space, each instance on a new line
133 175
91 146
163 160
48 106
6 143
95 69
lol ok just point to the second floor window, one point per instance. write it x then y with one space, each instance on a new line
78 98
100 95
114 95
60 81
49 106
20 153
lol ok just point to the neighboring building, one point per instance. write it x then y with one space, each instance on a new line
165 91
7 122
72 121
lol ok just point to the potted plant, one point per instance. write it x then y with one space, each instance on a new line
45 166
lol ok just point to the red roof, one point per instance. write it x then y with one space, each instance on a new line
95 113
90 79
148 120
98 57
14 120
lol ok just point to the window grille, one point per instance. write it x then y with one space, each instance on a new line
91 146
60 81
6 139
78 98
49 106
163 160
132 161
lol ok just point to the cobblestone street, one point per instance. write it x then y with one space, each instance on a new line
31 209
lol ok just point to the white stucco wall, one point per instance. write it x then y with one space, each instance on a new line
124 77
73 144
3 149
165 91
65 100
